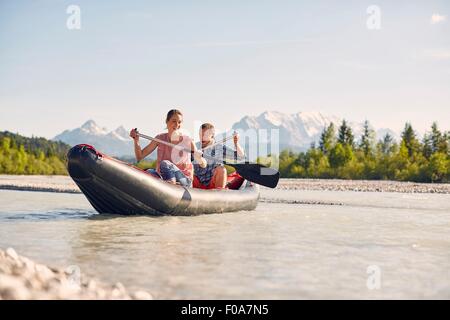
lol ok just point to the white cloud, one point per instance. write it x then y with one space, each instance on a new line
437 18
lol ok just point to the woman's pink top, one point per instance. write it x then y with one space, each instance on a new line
181 159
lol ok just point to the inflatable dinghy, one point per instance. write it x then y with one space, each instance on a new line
116 187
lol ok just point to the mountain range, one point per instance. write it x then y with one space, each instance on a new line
299 130
116 143
296 132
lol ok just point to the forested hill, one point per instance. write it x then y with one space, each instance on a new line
339 155
37 144
23 155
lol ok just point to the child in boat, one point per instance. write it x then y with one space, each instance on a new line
173 165
214 175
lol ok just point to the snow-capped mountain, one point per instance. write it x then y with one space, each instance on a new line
115 143
297 131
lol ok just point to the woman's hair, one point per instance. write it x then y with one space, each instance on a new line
171 113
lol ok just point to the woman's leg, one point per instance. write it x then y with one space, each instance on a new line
167 171
154 173
182 179
171 173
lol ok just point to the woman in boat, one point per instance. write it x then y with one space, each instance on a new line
173 165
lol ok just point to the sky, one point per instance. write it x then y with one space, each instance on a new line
218 61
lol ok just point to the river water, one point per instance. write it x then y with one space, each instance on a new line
295 245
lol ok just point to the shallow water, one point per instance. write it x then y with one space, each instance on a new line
281 250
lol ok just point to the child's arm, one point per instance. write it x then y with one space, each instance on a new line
198 156
240 151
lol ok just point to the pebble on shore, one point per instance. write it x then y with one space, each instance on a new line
24 279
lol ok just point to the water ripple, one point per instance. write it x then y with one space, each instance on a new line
61 214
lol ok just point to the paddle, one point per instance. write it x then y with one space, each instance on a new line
253 172
257 173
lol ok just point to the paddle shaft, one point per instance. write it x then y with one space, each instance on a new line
182 148
167 143
219 142
178 147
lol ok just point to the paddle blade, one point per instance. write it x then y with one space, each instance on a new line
257 173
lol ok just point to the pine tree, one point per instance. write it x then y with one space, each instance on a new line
410 140
435 138
445 148
440 141
345 135
367 139
327 139
387 144
427 146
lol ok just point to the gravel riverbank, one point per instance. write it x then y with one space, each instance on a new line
24 279
66 185
363 186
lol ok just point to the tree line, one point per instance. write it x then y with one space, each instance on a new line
339 155
22 155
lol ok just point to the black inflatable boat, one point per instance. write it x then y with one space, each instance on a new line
116 187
